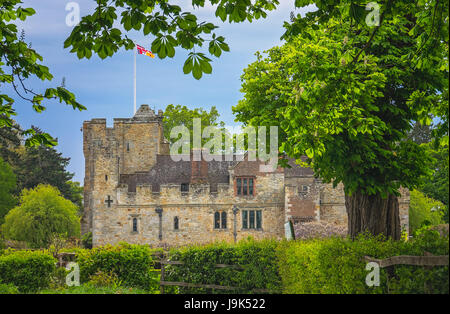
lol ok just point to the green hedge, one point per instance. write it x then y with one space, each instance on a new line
258 260
333 265
133 264
336 265
29 271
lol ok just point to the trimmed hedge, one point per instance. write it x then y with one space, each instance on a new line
331 265
336 265
29 271
133 264
258 260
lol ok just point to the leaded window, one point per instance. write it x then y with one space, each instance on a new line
245 186
220 220
251 219
135 225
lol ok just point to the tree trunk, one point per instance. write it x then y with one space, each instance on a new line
374 214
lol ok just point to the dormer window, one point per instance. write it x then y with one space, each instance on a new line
245 186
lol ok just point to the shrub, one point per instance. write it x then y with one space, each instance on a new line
321 265
132 264
90 289
424 211
58 278
258 260
8 289
105 279
86 240
28 271
337 265
42 213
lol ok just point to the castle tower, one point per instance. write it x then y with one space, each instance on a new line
130 146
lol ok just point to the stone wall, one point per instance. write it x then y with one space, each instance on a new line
195 211
302 199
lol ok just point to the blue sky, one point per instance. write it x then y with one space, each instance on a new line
105 87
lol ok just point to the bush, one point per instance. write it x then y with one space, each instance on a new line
42 213
337 265
86 240
424 211
90 289
28 271
258 260
103 279
132 264
8 289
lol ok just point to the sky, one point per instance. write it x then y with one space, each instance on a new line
105 87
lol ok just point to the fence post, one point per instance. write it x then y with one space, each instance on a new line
163 259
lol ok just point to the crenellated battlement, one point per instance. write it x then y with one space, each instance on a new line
171 193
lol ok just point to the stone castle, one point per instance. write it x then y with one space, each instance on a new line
135 192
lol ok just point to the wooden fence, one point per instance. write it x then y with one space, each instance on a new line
426 260
164 261
161 258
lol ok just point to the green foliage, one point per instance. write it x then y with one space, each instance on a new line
35 165
58 278
29 271
132 264
42 213
436 186
9 141
20 62
424 211
90 289
182 116
86 240
8 289
169 25
258 260
105 279
75 194
337 265
7 186
349 116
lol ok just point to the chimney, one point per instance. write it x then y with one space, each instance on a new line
199 166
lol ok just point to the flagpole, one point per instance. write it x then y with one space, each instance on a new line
135 49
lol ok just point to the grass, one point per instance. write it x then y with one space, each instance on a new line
90 289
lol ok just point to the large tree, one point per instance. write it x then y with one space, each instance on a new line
183 116
37 165
346 95
42 214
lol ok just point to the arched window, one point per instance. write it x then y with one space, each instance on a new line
135 225
175 223
224 220
217 220
220 220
